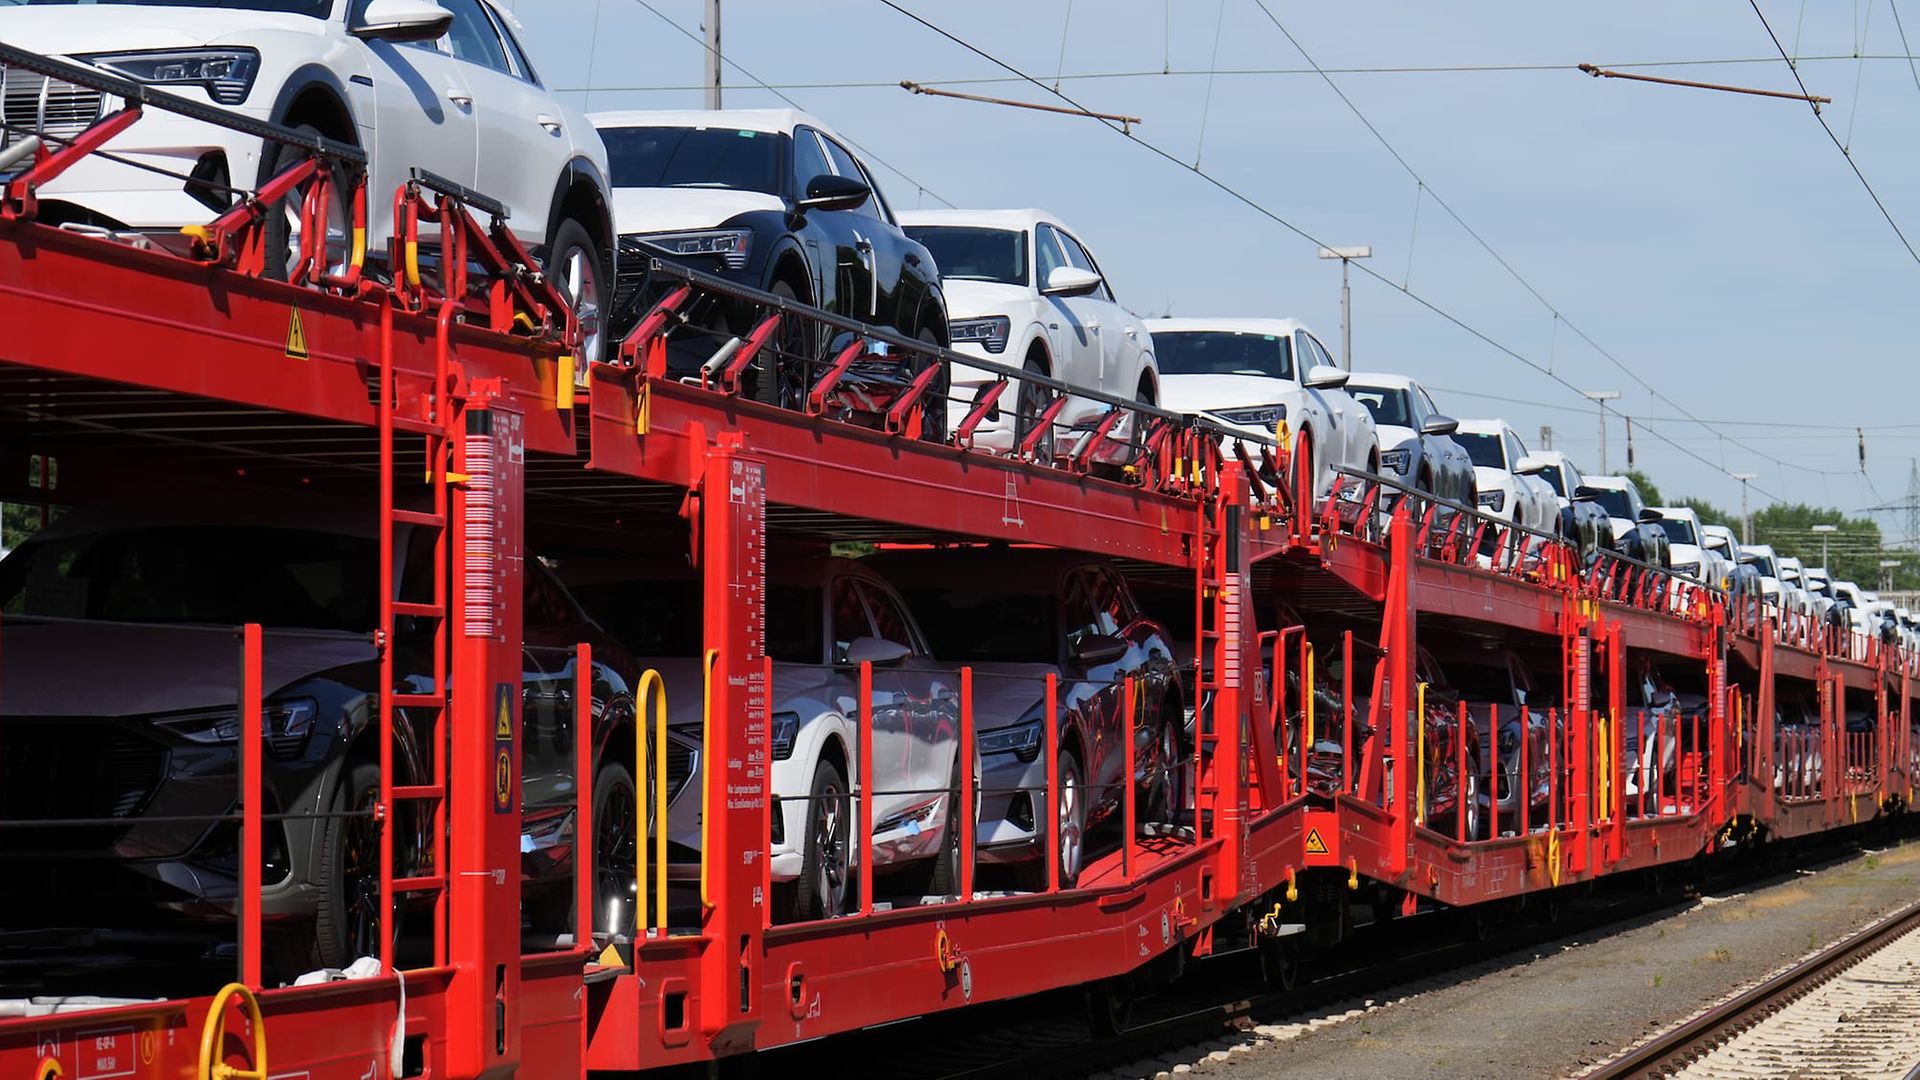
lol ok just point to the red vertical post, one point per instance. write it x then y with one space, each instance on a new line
1128 808
863 837
1346 713
1306 707
967 817
733 568
484 729
583 773
766 862
1050 798
1460 793
1523 790
252 736
1493 770
1553 770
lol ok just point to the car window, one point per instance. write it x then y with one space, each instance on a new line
1515 451
889 621
1046 254
472 36
521 66
845 165
809 160
1427 402
1320 354
1389 407
1077 256
849 618
1099 603
1221 352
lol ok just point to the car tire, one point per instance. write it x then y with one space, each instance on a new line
1031 400
281 237
349 916
783 382
574 266
1161 798
826 870
616 841
1070 823
945 877
933 403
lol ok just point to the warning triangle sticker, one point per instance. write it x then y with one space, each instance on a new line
1315 845
503 716
296 337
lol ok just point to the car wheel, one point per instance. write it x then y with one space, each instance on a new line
1070 825
933 404
1032 400
1161 797
825 870
945 880
282 225
573 265
781 375
348 918
616 842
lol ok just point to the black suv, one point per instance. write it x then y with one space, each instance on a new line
773 200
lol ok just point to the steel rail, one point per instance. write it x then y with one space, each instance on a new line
1674 1048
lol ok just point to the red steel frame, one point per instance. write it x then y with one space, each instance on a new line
74 305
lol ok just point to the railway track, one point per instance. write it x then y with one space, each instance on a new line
1671 1052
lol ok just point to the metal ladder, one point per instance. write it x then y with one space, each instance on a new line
424 417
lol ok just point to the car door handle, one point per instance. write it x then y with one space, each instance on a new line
912 259
552 124
460 98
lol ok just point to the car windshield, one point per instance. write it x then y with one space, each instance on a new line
222 574
967 253
319 9
1389 407
1483 449
1764 565
1552 477
650 617
723 159
1679 531
1614 501
984 627
1223 352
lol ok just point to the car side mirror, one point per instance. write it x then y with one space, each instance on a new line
1439 425
1583 493
1529 465
873 650
1095 649
1326 377
1649 514
1071 281
402 20
830 192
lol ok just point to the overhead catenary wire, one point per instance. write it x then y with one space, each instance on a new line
1209 72
1259 208
1828 128
1427 190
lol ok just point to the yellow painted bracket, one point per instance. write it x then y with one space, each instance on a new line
213 1037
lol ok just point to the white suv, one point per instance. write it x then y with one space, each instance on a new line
1022 290
441 85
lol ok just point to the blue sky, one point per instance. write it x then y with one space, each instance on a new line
1716 245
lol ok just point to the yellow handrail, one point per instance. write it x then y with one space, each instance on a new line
652 688
213 1037
1420 769
706 765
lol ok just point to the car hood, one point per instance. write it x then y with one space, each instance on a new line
1393 437
651 210
1685 553
972 299
684 684
116 669
64 30
1491 479
1203 393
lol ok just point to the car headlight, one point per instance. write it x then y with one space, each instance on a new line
730 246
285 724
226 73
1398 461
1022 739
1495 501
990 333
786 727
1261 416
